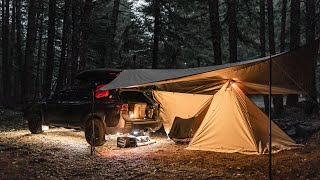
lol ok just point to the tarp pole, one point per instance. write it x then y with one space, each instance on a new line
270 132
93 148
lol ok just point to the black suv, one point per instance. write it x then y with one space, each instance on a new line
119 111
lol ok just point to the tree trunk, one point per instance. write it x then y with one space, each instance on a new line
310 35
262 48
215 30
39 54
292 100
66 40
76 12
233 32
113 29
28 78
6 64
19 51
1 63
156 34
272 46
13 53
2 89
277 99
310 20
283 25
262 29
85 31
50 48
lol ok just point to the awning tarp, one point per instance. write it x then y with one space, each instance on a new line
291 74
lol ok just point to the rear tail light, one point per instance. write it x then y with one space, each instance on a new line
101 93
124 107
118 106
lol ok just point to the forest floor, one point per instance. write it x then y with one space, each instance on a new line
64 154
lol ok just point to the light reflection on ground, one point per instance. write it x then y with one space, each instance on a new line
64 153
74 141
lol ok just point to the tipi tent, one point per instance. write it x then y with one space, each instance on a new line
183 105
233 123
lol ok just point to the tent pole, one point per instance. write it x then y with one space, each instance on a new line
270 132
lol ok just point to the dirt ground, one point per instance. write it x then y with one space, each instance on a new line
64 154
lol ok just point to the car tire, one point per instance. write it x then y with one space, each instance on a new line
35 123
98 137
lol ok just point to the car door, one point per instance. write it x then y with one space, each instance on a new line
76 106
55 110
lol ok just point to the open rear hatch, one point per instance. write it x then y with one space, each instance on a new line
138 106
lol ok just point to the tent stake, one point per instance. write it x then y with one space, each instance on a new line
270 133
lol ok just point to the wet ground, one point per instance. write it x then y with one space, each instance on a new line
64 154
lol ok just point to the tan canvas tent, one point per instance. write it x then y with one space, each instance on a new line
181 105
233 123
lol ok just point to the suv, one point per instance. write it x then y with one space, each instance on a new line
120 111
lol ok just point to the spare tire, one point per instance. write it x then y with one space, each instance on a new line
95 132
35 123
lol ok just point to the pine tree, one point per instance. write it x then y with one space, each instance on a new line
292 100
215 30
233 30
28 77
310 35
156 34
50 48
66 43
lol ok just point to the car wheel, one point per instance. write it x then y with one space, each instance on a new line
95 132
35 123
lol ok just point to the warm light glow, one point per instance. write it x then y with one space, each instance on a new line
131 114
228 88
45 128
233 82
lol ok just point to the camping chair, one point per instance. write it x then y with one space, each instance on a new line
181 130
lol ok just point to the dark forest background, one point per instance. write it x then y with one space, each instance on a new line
45 43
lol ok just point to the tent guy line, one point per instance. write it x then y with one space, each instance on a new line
296 83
